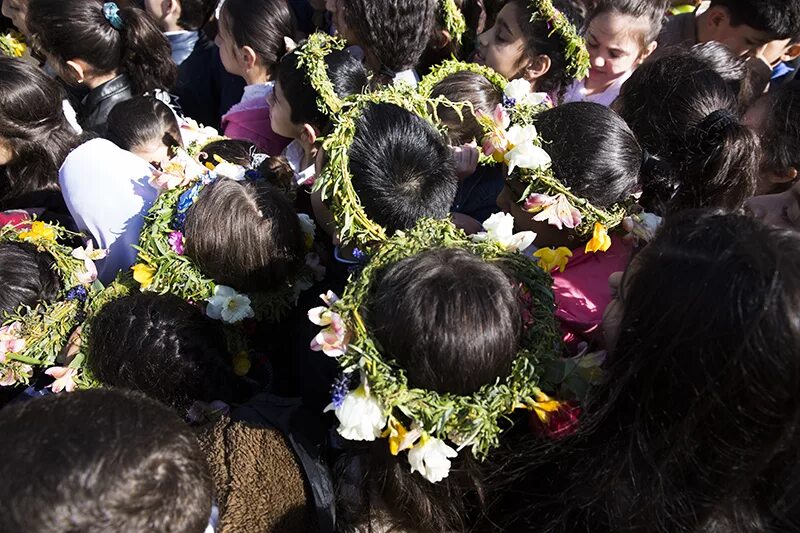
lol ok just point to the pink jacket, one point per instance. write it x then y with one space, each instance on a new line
249 121
582 292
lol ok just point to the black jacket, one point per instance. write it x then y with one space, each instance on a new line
95 107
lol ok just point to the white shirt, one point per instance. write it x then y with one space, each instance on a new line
577 92
295 154
107 192
254 96
409 76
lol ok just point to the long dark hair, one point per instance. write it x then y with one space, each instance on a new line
78 29
696 427
32 121
260 25
685 115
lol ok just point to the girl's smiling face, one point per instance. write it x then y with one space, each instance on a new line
615 48
502 47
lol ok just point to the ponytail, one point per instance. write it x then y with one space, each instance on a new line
119 39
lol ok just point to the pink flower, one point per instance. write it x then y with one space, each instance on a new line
10 340
175 240
64 378
556 210
495 143
332 340
15 373
88 255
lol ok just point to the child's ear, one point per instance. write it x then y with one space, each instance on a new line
441 39
787 175
309 134
537 67
791 53
648 51
247 57
76 68
717 17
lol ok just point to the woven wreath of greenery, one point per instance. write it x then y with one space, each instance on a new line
578 62
46 328
311 56
177 274
454 21
469 421
12 44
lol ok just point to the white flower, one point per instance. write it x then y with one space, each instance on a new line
88 255
431 458
520 91
527 155
517 135
500 228
360 415
229 305
230 171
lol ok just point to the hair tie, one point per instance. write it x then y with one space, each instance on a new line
111 12
720 119
386 71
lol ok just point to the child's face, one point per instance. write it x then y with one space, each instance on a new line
741 39
280 114
614 47
780 210
502 47
6 153
17 10
228 51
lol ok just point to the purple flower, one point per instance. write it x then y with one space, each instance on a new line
77 293
176 242
341 388
359 255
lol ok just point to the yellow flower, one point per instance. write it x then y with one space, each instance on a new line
241 364
550 259
143 274
39 232
399 437
600 240
544 405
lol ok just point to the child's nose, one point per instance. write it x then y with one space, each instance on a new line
598 61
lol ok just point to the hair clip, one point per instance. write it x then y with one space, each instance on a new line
111 12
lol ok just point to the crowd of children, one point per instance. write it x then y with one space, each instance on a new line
400 266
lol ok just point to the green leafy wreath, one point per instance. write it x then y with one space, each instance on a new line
311 57
578 62
454 21
468 421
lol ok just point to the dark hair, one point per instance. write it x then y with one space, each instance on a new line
779 18
395 32
27 276
541 40
78 29
261 25
731 68
164 347
685 115
593 151
466 87
440 48
695 427
345 72
401 166
274 170
452 321
780 138
196 13
142 120
653 11
32 122
103 460
245 235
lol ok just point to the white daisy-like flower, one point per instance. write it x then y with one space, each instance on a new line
527 155
500 229
228 305
360 415
519 90
431 458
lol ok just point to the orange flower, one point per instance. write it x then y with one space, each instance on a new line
600 240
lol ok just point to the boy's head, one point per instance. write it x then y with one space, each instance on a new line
26 276
401 166
101 460
746 25
146 127
177 15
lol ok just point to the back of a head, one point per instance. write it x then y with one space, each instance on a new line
401 166
347 74
685 115
196 13
33 123
779 18
66 30
731 68
469 87
245 235
394 32
780 137
593 151
142 121
27 276
450 319
163 347
101 460
262 25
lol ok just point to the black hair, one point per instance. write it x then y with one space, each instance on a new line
274 170
401 166
164 347
245 235
593 151
27 276
394 32
653 11
685 115
103 460
696 425
779 18
78 29
261 25
32 122
466 87
541 40
345 72
780 138
452 322
731 68
196 13
140 121
440 46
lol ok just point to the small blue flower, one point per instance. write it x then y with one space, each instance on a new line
509 102
341 388
77 293
253 175
359 255
187 199
179 221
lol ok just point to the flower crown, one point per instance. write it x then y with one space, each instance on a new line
577 57
335 181
373 399
12 44
454 21
311 56
163 268
35 337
